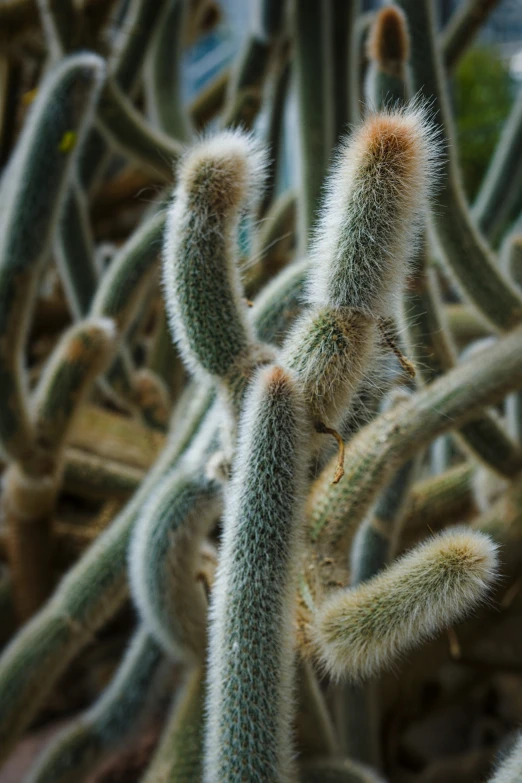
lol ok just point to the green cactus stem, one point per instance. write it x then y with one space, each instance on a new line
120 712
309 59
162 73
39 174
361 630
164 561
249 695
179 756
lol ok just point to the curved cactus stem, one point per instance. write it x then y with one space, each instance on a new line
120 712
39 174
315 731
164 559
462 28
381 447
499 194
203 293
443 499
163 73
179 756
90 476
82 353
359 257
280 302
361 630
87 597
130 134
74 253
133 42
465 250
124 285
429 342
31 486
249 695
152 397
376 540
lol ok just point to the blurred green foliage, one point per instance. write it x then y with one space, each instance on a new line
483 94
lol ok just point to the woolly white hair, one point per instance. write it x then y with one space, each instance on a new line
376 198
510 769
249 617
164 558
360 631
219 177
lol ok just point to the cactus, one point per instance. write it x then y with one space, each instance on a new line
179 754
326 563
171 601
375 542
248 734
120 710
38 178
388 51
359 631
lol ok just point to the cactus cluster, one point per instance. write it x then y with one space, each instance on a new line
262 448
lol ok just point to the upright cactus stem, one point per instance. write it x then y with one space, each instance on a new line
388 52
249 704
359 259
362 630
218 179
309 41
39 175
